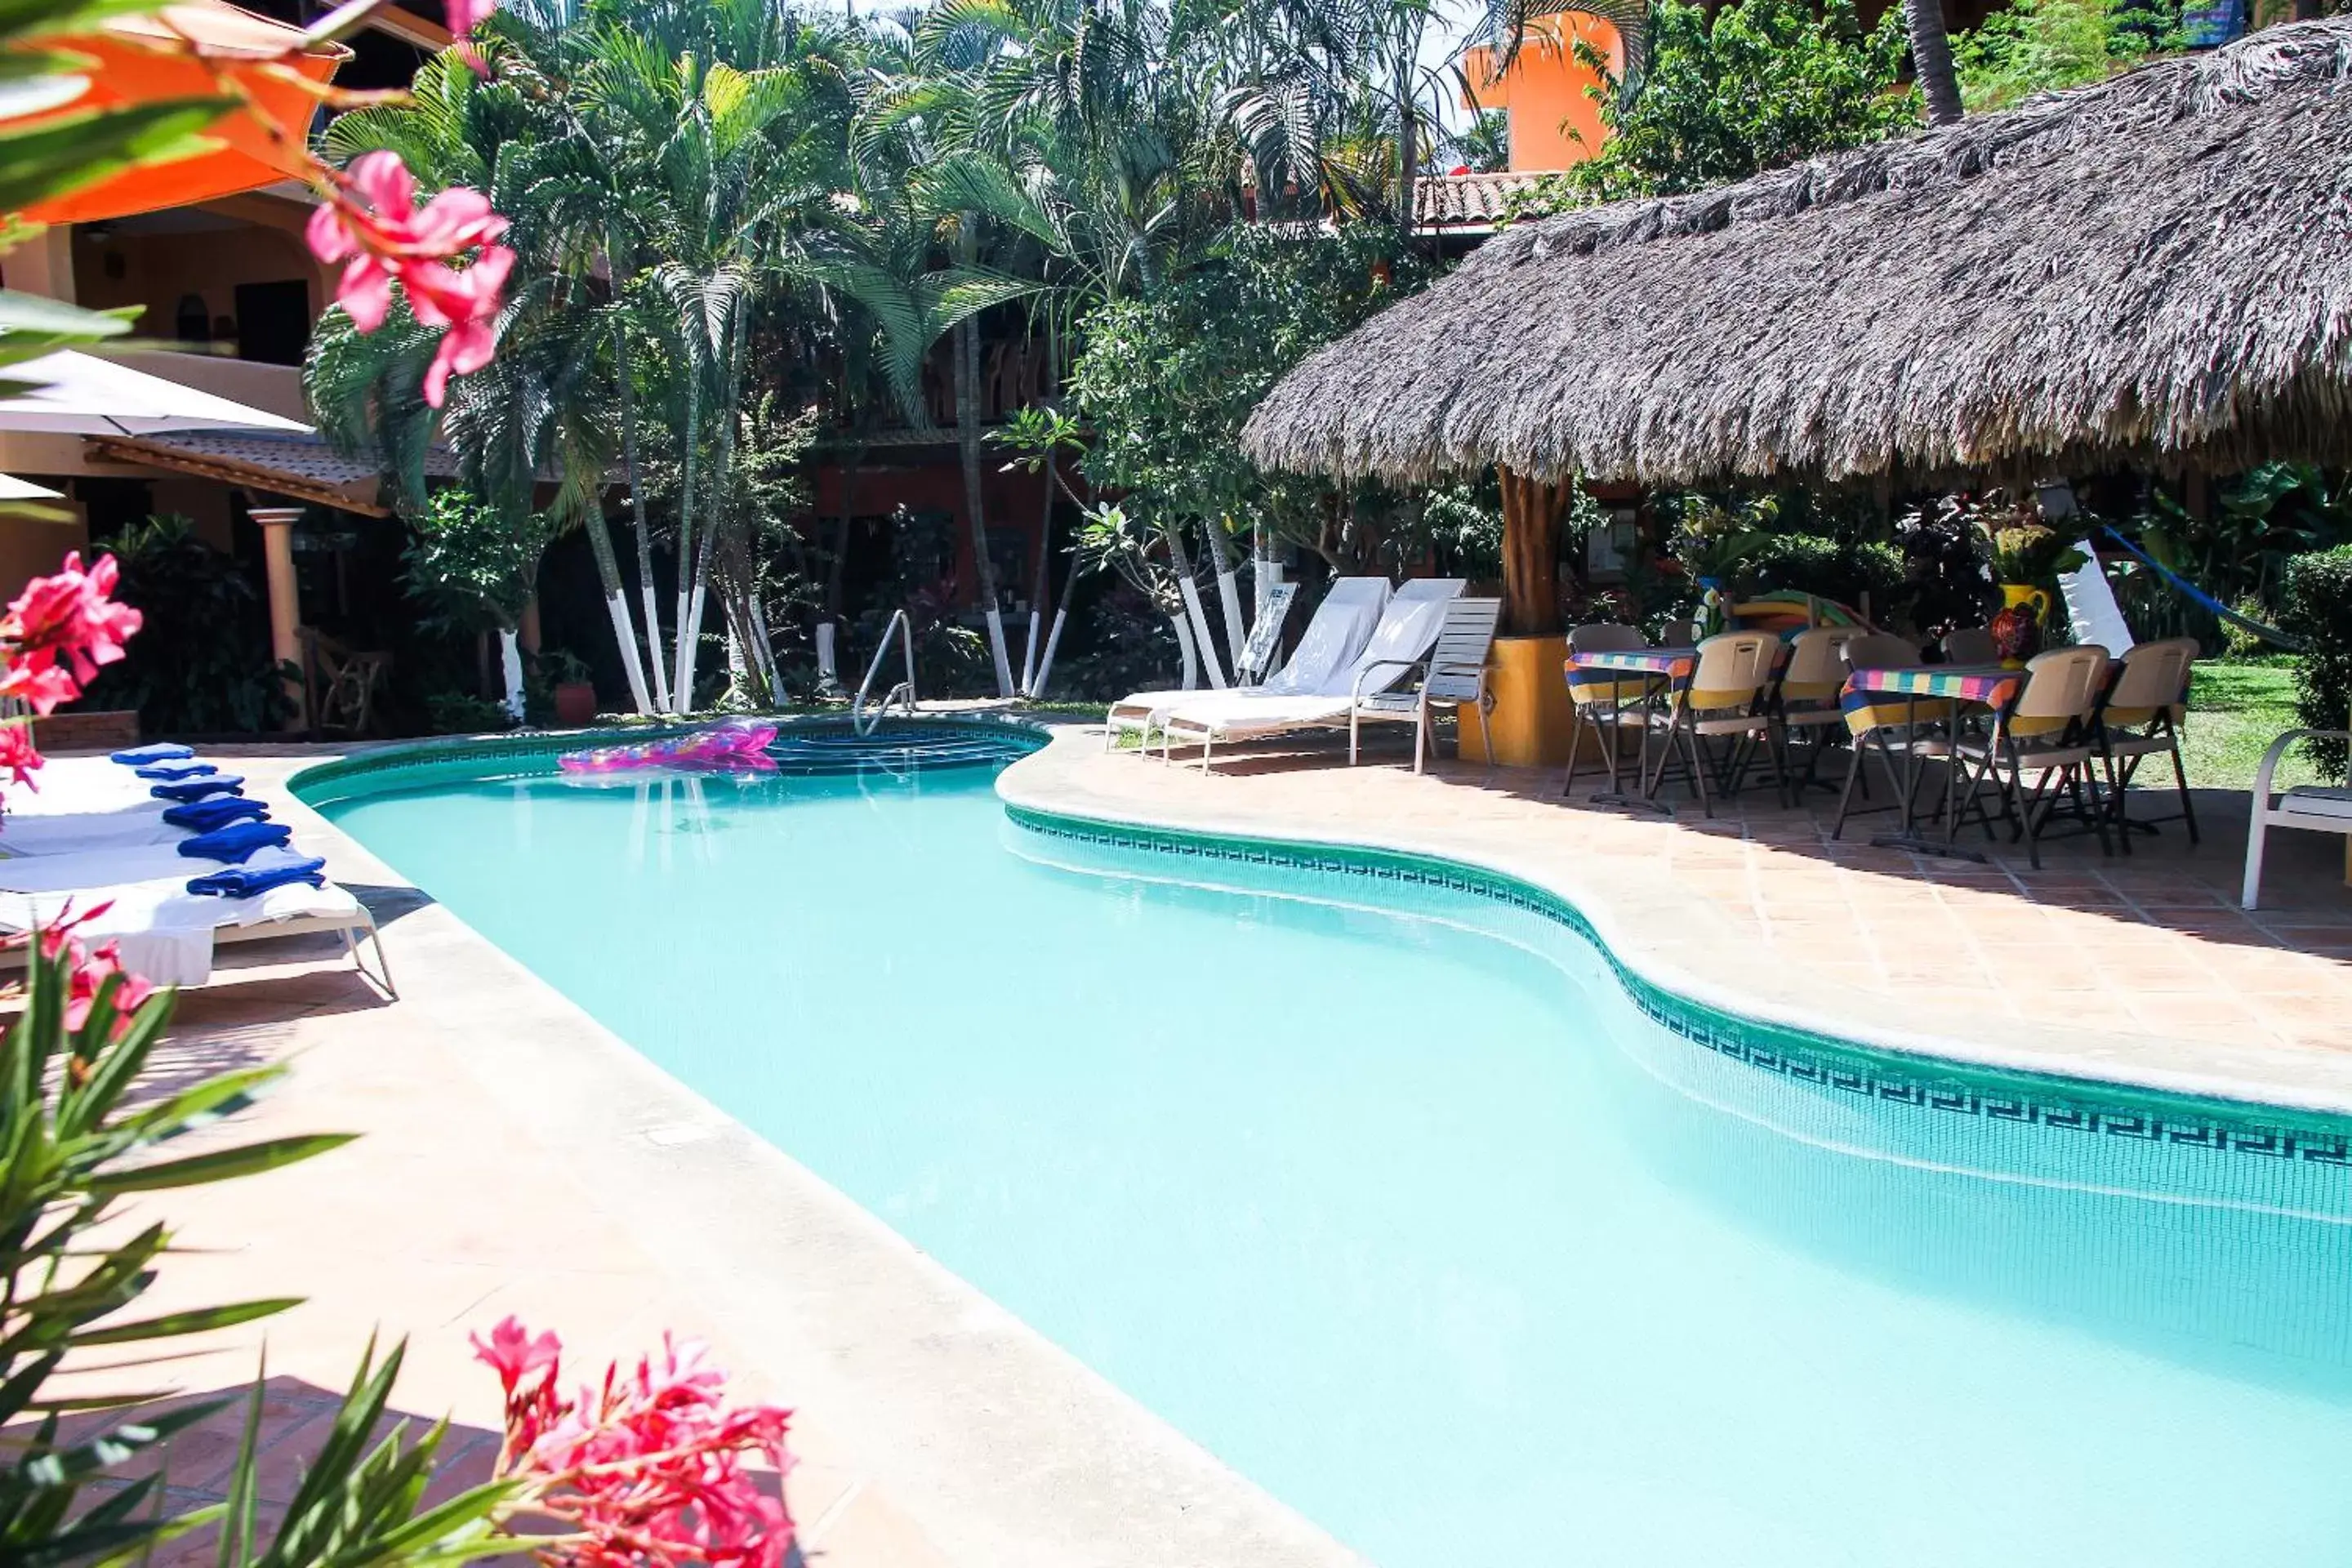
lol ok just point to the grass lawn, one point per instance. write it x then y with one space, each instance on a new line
2236 709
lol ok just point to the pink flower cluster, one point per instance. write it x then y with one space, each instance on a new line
91 965
647 1470
56 634
374 223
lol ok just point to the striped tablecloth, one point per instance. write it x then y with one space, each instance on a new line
1990 684
1673 663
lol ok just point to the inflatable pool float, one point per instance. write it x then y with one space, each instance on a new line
738 746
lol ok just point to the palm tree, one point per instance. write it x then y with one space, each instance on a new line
512 137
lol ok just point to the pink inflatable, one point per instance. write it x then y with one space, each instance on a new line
738 746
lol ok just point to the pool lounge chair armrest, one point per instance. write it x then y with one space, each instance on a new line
1356 692
2278 749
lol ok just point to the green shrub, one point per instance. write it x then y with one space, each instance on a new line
200 664
465 714
2315 604
1845 569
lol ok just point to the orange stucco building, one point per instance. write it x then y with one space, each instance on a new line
1548 91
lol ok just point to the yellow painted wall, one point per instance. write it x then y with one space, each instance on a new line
1554 121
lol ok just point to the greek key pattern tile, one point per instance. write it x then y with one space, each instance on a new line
1835 1066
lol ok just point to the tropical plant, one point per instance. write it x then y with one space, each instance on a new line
1044 440
1166 381
2021 550
473 567
201 664
1731 92
2043 45
2317 606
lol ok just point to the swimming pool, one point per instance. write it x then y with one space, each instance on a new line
1386 1192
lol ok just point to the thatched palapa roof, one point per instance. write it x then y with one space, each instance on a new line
2155 268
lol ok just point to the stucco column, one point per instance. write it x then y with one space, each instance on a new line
276 524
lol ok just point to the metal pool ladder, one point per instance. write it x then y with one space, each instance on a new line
864 720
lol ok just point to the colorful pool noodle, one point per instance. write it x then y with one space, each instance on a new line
738 746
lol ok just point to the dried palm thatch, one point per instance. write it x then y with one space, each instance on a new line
2156 269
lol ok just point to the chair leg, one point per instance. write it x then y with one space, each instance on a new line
1845 795
1420 733
1692 739
1353 722
2090 782
2254 833
1575 740
2181 779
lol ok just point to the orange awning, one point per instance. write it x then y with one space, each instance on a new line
126 72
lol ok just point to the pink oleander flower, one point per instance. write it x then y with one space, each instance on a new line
647 1471
91 969
91 966
18 756
60 630
513 1354
375 226
464 16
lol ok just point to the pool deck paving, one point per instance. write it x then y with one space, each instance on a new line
515 1157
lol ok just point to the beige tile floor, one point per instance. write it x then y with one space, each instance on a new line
451 1212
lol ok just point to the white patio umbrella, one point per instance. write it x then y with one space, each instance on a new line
82 394
14 489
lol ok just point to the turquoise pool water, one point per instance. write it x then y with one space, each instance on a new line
1389 1197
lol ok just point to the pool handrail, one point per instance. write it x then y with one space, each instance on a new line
903 693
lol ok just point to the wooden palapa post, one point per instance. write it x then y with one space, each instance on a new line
1531 720
1532 512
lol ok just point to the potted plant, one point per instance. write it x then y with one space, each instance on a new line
2027 558
575 694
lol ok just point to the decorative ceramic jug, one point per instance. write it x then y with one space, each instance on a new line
2017 629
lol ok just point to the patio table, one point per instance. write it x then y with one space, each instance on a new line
1669 666
1993 686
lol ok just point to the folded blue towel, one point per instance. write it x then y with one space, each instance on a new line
237 882
236 843
203 816
197 789
158 751
176 770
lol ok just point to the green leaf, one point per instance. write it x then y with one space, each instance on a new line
196 1322
64 1467
225 1165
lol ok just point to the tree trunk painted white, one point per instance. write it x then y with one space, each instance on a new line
1200 618
652 597
511 663
996 646
1046 665
1184 645
689 646
618 608
828 663
1229 592
763 649
734 657
1029 656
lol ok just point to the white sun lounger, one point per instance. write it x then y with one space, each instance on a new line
168 934
123 854
1408 626
1342 621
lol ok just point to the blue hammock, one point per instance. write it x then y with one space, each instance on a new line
2196 594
